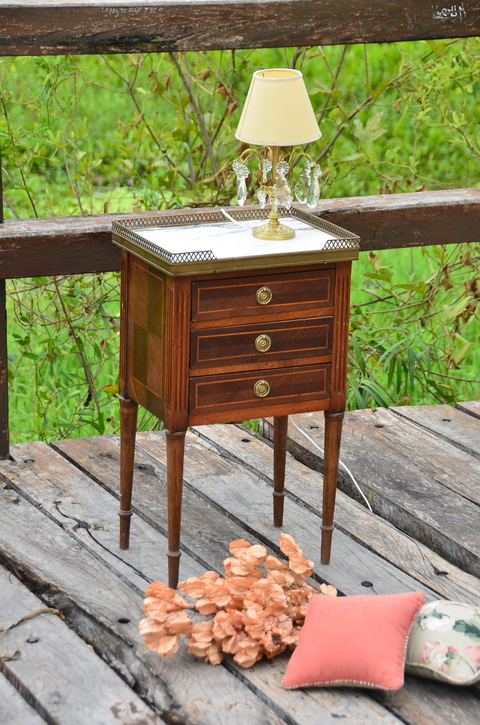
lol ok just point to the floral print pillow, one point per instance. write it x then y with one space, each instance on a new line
444 643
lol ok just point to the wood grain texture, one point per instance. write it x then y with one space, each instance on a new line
232 394
305 485
16 710
305 293
177 353
208 533
224 484
449 424
54 27
247 500
340 337
4 424
403 480
472 407
82 244
95 599
231 349
56 669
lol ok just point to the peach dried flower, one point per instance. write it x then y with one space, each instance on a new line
272 563
249 652
288 545
214 653
201 638
238 546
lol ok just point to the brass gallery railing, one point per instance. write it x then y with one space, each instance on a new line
79 245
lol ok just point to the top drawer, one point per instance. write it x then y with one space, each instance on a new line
254 296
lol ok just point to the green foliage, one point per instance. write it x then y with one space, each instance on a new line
83 135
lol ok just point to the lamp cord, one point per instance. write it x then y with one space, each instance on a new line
235 221
341 465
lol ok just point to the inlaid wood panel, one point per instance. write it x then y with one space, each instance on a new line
260 344
222 393
305 292
146 334
340 336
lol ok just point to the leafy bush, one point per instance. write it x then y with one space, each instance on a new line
94 134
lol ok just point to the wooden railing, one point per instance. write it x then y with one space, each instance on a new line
79 245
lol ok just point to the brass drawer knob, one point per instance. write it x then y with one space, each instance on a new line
263 343
264 295
261 388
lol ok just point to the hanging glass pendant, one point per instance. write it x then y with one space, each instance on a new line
314 188
241 191
283 193
303 183
262 198
266 167
241 172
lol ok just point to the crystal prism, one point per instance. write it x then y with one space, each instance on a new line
241 172
266 167
301 187
314 188
241 191
262 198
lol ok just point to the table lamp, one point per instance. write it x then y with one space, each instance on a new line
278 113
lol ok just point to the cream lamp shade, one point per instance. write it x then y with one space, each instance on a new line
278 111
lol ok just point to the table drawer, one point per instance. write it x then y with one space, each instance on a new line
261 343
236 391
267 293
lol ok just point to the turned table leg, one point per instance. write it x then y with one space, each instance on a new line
333 434
128 429
175 456
280 428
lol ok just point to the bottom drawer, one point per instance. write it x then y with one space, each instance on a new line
259 389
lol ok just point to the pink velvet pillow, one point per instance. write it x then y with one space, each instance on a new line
358 641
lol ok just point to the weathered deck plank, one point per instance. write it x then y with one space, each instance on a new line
55 669
105 611
373 532
381 451
50 483
15 710
472 407
58 487
224 484
90 514
449 424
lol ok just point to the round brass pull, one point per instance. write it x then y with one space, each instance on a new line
261 388
263 343
264 296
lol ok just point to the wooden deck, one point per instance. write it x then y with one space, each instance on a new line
419 467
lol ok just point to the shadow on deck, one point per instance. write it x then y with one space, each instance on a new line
419 467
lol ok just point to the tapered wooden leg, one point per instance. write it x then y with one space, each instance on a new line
128 429
175 456
333 435
280 428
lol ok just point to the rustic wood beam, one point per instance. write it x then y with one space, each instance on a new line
33 27
82 244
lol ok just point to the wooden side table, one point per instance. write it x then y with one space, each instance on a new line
206 347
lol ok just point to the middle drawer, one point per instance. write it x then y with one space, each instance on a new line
261 344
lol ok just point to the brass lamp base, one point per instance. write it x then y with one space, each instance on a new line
274 230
